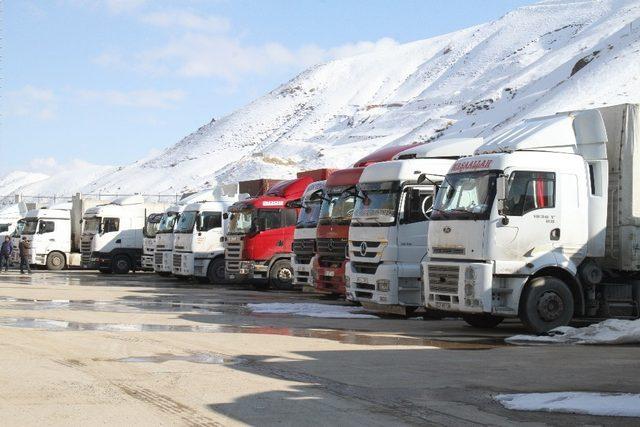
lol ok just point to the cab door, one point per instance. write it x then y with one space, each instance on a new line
412 225
209 232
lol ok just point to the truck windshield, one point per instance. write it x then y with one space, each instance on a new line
4 228
151 227
240 221
19 228
337 207
168 222
309 214
30 226
465 196
377 202
186 222
92 225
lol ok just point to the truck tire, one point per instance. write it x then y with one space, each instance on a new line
547 302
281 274
482 321
56 261
121 264
216 271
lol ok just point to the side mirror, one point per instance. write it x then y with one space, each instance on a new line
501 197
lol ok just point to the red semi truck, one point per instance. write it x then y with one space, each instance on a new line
333 225
260 233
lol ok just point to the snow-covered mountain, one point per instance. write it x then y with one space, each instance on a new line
539 59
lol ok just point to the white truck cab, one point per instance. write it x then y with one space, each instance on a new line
304 236
48 232
149 243
163 257
388 231
543 223
112 237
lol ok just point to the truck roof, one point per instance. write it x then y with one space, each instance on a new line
49 213
279 194
578 132
451 148
343 177
381 155
210 205
407 170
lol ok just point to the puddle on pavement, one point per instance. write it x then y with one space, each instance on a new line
205 358
109 306
342 336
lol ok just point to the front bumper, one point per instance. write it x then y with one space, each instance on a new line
147 262
459 287
182 264
100 261
302 274
246 270
329 280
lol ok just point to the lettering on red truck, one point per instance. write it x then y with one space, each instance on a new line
273 203
471 165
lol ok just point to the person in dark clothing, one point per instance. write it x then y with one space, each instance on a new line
5 253
25 254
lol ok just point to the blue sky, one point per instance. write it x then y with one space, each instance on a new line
112 81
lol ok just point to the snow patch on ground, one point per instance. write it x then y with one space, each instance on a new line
608 404
612 331
311 310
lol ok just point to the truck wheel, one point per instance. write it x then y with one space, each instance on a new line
546 303
56 261
482 321
281 275
121 264
216 271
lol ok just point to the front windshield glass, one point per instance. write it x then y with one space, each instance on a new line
466 195
151 227
186 222
19 228
377 202
30 226
240 221
168 222
338 205
92 225
309 214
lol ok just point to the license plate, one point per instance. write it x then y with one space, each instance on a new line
242 271
329 273
362 279
232 276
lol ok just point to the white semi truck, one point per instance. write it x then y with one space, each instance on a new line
542 224
163 257
199 235
388 231
304 236
149 242
54 233
112 238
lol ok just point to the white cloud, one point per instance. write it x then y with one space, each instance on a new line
136 98
180 19
31 101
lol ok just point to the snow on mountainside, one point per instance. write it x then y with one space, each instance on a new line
538 59
18 179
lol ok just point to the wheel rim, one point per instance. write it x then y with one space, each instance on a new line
122 265
56 261
219 272
550 306
285 275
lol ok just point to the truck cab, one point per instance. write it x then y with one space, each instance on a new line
163 257
388 230
149 243
304 237
48 231
112 236
539 224
199 240
260 234
328 265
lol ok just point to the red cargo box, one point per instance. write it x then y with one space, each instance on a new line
257 187
317 174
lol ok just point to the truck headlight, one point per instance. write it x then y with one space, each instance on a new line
383 285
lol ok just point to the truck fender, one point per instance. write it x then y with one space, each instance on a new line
278 257
568 277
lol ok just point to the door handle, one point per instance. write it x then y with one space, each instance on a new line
555 234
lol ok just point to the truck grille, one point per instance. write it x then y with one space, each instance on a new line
441 250
157 258
304 250
334 247
233 255
358 245
85 250
177 260
443 279
364 268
